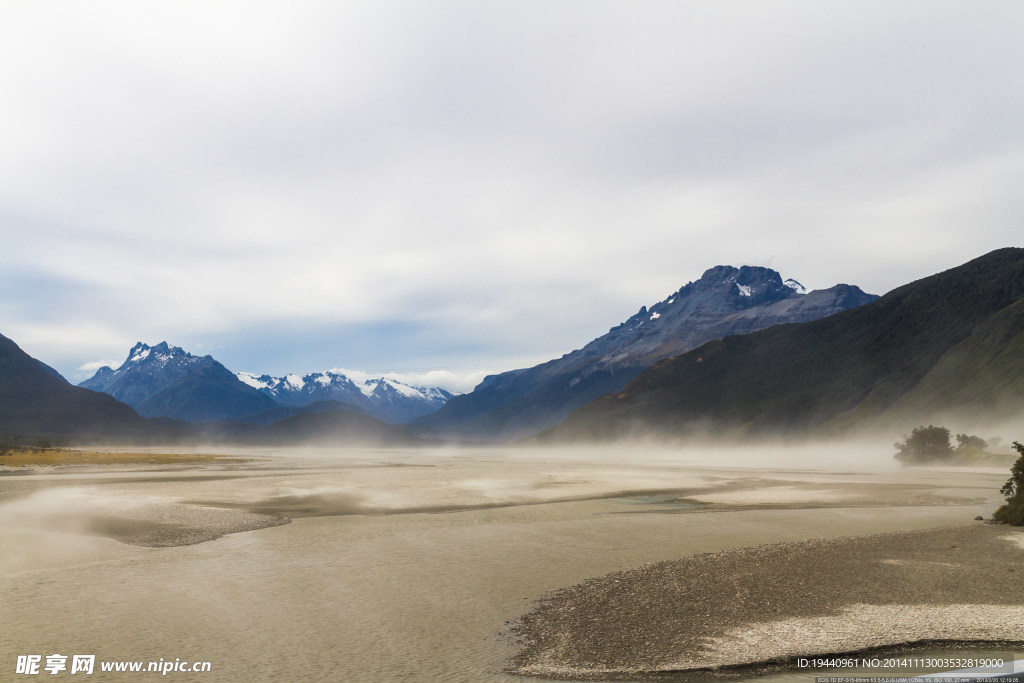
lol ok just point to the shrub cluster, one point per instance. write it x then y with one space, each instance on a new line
932 444
1013 511
925 444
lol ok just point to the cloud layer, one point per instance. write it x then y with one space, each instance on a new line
303 185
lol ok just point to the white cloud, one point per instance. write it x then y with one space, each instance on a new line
517 177
90 368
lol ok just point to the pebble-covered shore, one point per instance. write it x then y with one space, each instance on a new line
781 601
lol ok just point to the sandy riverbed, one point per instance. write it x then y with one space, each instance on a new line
403 564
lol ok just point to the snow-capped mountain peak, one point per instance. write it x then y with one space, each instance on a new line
138 353
261 382
795 286
167 381
724 301
382 397
158 355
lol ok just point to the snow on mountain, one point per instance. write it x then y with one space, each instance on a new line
167 381
725 301
141 359
795 286
382 397
253 381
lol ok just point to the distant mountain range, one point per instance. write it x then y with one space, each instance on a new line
35 404
167 381
711 359
384 398
949 346
724 301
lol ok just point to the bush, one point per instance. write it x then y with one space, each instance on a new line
966 443
925 444
1013 489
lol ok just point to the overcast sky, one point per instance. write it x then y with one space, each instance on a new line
476 186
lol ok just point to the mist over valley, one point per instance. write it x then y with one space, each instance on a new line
632 341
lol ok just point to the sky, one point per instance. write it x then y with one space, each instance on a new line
449 189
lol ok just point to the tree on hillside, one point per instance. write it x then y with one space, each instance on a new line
925 444
1013 489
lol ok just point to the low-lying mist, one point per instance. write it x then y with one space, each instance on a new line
174 505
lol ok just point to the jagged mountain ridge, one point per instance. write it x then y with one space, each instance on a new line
384 398
725 301
949 346
167 381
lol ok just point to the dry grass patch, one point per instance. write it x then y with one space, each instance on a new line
28 458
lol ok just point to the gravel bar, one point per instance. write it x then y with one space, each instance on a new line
773 603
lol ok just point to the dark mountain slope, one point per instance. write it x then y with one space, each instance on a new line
983 374
724 301
33 402
948 342
330 428
269 417
328 425
51 371
209 392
